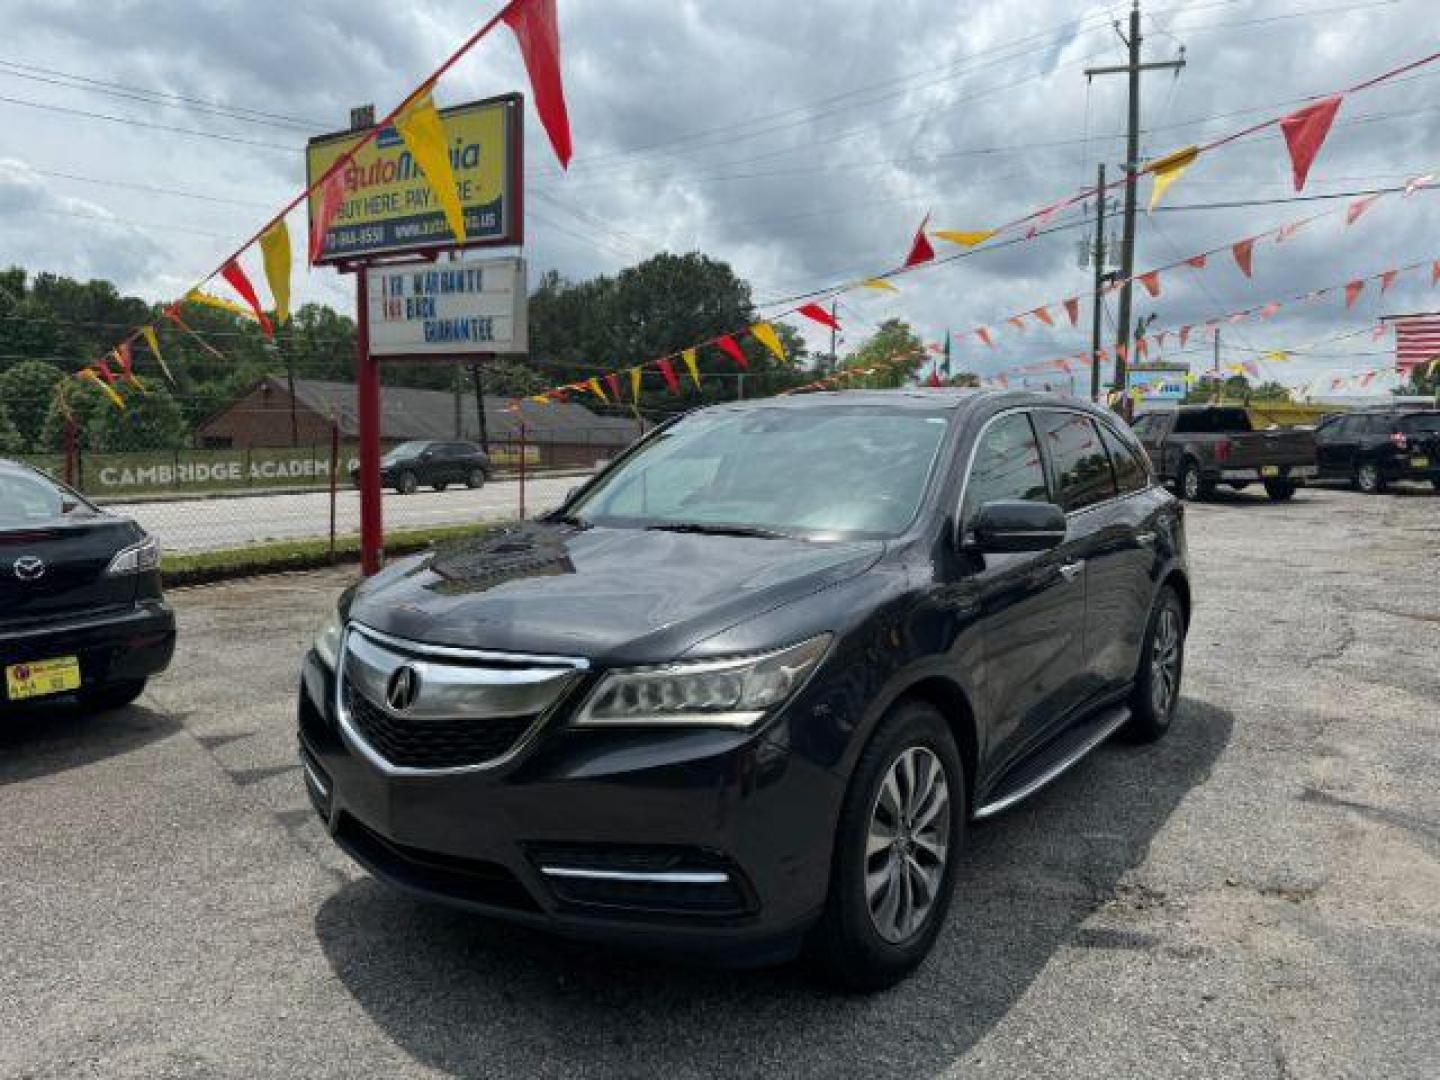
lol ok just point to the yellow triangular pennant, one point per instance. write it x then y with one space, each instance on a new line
964 239
424 134
879 284
1168 169
275 247
765 334
692 366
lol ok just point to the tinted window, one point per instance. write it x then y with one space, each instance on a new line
1145 425
1348 426
1212 421
792 469
1006 466
1378 424
1081 466
1130 474
1418 422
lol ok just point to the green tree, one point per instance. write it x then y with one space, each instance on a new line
149 421
895 349
27 390
11 441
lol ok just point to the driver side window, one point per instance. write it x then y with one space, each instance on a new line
1006 466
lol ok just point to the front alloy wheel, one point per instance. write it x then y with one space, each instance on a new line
1369 480
898 837
907 844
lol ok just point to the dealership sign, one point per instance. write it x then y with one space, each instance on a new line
1159 382
446 308
389 205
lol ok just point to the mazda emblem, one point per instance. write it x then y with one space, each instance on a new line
403 688
29 568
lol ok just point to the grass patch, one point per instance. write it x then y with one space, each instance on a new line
280 556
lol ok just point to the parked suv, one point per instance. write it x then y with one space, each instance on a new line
1196 447
748 686
432 463
81 615
1376 446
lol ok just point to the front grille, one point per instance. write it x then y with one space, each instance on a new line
434 743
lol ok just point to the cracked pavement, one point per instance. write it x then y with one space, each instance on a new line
1258 895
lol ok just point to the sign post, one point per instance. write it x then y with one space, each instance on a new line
425 311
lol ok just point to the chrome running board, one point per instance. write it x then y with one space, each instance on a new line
1032 774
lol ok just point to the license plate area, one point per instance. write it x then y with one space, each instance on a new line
1419 462
41 678
1270 470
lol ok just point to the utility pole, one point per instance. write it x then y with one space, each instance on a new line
1100 278
1132 168
834 306
480 409
1215 368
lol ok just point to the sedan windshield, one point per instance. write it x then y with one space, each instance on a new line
859 470
27 498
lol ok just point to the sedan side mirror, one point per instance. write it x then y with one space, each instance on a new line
1006 526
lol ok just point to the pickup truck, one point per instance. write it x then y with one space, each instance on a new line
1196 447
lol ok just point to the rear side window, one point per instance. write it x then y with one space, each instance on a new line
28 498
1007 465
1079 463
1212 421
1130 474
1415 423
1378 424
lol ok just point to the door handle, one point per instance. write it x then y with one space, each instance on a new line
1071 570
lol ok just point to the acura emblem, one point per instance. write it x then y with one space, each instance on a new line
403 688
29 568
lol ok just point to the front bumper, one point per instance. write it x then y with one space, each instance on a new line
702 841
114 646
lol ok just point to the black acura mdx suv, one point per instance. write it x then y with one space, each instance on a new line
745 690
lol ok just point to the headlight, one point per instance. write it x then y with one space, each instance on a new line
136 559
327 639
723 693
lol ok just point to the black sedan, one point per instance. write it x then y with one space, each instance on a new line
746 690
432 463
81 613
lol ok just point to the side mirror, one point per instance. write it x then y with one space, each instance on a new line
1007 526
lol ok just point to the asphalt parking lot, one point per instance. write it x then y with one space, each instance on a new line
1258 895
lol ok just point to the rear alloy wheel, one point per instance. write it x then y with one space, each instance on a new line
896 844
1369 480
476 479
407 483
1162 663
1194 486
110 696
1279 490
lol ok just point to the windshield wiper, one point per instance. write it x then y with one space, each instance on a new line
718 530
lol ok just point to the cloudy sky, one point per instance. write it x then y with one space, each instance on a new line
802 143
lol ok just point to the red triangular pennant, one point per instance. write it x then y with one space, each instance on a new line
984 334
1072 309
234 273
1043 314
538 34
1269 309
727 344
920 249
1151 281
612 380
1197 261
1387 279
1352 292
1305 131
1184 335
819 315
667 371
1244 252
1358 207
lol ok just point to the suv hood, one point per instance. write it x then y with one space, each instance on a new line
612 595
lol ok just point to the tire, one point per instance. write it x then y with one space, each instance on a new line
1152 704
1369 479
475 479
1239 485
110 696
440 486
863 950
1279 490
1435 482
406 483
1191 484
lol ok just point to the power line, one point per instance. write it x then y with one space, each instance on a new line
130 122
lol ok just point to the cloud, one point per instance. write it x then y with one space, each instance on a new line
801 143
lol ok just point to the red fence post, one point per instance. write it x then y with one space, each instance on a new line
522 470
367 392
334 479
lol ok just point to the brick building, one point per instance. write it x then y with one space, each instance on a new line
558 434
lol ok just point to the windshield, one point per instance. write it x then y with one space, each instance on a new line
860 470
1417 422
27 498
404 450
